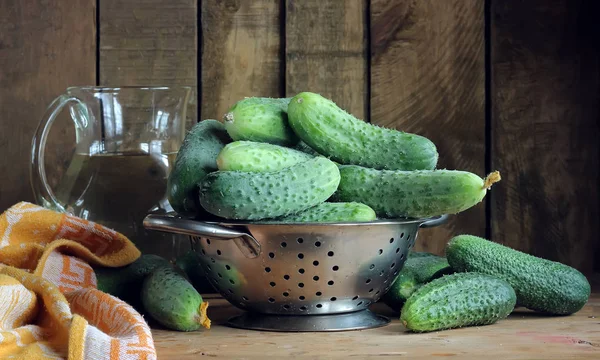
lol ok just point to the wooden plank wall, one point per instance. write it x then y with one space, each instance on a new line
496 84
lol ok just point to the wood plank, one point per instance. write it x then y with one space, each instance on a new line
428 77
545 88
523 335
149 42
43 50
240 53
326 51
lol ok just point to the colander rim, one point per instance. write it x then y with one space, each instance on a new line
398 221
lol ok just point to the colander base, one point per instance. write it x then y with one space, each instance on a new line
358 320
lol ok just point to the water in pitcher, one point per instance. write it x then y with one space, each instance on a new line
118 190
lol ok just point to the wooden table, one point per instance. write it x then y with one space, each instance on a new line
523 335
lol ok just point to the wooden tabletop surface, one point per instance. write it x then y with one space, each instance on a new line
523 335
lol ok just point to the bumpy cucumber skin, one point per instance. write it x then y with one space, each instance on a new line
172 301
419 269
332 212
411 194
260 120
458 300
258 157
196 157
541 285
337 134
256 196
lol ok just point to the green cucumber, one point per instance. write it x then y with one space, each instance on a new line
196 157
258 157
302 146
458 300
126 282
333 132
418 269
541 285
254 196
332 212
260 120
190 264
173 302
412 194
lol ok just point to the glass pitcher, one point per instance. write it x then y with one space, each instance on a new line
127 139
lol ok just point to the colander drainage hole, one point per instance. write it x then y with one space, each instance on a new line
208 241
286 294
359 303
391 240
212 260
271 255
301 285
267 269
315 278
401 256
333 298
303 308
302 297
368 281
271 300
393 265
372 266
370 290
401 235
300 256
317 243
230 291
244 298
219 275
300 240
380 251
283 244
227 267
397 251
354 298
287 307
330 253
319 306
318 293
335 268
208 267
381 273
219 252
287 277
330 282
315 263
203 252
395 272
407 237
272 283
378 292
301 271
232 282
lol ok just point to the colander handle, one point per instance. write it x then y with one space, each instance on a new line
434 222
248 245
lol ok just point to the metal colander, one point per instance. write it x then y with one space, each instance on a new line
300 277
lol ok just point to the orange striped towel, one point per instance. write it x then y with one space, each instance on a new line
49 305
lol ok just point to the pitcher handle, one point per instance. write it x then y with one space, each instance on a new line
41 188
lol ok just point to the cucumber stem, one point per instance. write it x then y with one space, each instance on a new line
228 117
201 317
492 178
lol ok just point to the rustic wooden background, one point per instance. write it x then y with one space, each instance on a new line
499 84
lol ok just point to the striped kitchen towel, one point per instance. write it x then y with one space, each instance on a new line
49 305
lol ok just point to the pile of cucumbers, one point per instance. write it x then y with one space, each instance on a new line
480 282
304 159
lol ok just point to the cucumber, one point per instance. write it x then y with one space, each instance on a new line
173 302
333 132
458 300
260 120
412 194
258 157
196 157
541 285
190 265
418 269
302 146
254 196
332 212
126 282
